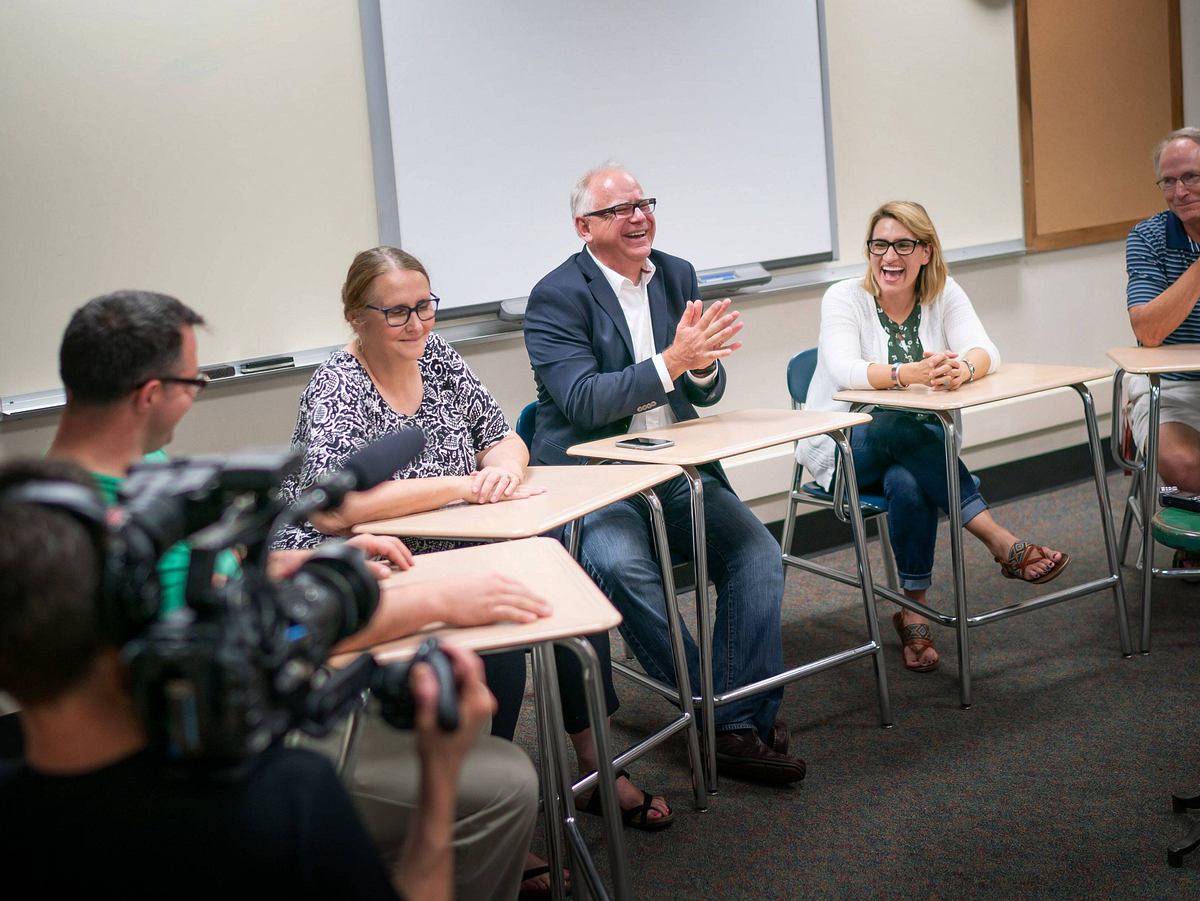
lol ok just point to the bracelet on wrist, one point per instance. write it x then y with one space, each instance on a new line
970 369
896 383
707 370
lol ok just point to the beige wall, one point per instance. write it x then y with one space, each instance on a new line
890 139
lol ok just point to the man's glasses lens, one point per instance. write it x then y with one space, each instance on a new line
398 315
625 210
903 247
1189 179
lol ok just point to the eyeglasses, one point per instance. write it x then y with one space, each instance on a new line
625 210
1189 179
200 382
878 247
398 315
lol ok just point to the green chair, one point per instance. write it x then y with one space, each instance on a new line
1176 528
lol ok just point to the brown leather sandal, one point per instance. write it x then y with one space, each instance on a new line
1022 555
918 637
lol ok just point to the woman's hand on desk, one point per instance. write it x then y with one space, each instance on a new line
950 373
393 551
496 483
284 563
486 599
938 370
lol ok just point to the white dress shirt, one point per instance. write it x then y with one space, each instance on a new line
635 304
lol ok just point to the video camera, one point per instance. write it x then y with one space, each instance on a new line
242 663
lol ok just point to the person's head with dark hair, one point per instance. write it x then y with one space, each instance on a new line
50 568
118 342
130 367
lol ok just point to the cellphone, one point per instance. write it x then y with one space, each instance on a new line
1184 500
645 443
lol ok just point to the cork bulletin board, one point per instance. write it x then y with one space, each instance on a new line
1100 83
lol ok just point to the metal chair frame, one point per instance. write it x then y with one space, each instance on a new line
1140 502
855 511
873 507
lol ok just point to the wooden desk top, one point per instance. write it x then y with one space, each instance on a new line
580 608
571 492
1011 380
723 435
1168 358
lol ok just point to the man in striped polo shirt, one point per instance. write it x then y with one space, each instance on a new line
1162 258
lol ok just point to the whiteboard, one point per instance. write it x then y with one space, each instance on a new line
213 151
495 109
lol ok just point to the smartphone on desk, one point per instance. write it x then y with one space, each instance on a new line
645 443
1184 500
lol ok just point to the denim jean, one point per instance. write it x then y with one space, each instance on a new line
744 563
907 458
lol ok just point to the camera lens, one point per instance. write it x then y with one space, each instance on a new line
333 595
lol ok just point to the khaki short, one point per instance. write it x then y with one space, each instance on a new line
1178 402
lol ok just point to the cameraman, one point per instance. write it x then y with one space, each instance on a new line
92 808
129 365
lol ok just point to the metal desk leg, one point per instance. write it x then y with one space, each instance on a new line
349 749
1148 498
682 695
954 502
1098 474
704 617
675 629
605 775
864 574
545 684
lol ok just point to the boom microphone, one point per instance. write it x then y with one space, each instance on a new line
364 469
376 462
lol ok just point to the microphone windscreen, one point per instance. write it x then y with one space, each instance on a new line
377 461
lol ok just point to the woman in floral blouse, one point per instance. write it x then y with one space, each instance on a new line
906 322
397 373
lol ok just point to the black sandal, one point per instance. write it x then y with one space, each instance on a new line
635 817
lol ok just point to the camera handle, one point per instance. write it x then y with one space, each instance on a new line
325 704
390 685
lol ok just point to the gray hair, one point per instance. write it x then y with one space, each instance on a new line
581 194
1188 133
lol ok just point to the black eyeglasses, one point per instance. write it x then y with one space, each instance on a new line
625 210
200 382
878 247
398 315
1189 179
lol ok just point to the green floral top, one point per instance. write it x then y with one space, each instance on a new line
904 339
904 344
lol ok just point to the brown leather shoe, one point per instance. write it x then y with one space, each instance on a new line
743 754
778 738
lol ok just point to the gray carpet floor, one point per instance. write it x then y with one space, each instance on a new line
1055 783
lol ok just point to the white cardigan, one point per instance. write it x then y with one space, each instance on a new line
852 338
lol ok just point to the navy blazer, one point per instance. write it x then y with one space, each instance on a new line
588 385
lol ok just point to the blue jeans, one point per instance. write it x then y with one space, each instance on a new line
744 563
908 459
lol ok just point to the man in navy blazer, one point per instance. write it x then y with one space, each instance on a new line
619 344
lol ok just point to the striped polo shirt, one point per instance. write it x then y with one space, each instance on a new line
1157 252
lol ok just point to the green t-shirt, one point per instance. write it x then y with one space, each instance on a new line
173 566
